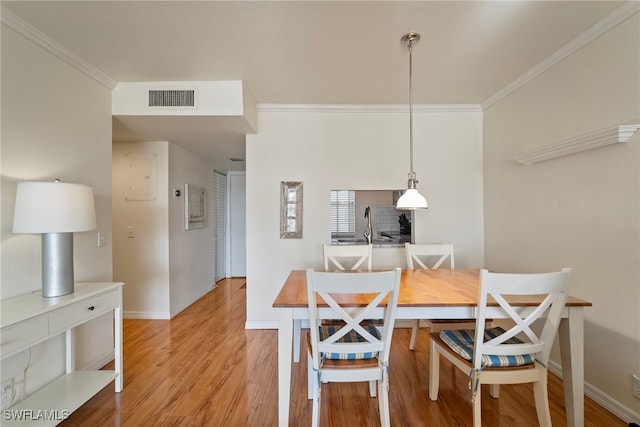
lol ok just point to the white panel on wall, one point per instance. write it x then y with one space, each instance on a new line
143 176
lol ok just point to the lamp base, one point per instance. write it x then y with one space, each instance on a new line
57 264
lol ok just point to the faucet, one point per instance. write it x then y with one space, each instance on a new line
367 229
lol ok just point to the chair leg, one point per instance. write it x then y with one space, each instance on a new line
315 415
414 334
477 409
372 388
297 329
494 390
434 372
310 377
383 403
542 402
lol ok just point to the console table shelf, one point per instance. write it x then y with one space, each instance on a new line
63 395
29 319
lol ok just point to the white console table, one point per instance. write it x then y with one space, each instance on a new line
29 319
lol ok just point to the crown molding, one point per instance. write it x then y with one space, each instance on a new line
616 17
29 32
366 108
21 27
600 138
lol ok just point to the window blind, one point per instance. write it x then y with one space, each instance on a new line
220 197
343 213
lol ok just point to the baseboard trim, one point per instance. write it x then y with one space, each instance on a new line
621 411
146 315
261 324
192 301
99 362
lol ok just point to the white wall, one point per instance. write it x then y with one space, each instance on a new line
56 123
583 210
191 252
142 262
359 150
166 267
237 223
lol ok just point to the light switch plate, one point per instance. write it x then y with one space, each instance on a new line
102 239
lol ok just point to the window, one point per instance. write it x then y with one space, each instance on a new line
343 212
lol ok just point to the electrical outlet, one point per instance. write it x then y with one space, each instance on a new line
636 386
7 392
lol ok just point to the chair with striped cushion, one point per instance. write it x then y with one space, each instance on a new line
433 256
515 355
337 258
353 350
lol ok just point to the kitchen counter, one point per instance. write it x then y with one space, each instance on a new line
384 240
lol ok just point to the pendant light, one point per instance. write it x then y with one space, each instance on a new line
411 199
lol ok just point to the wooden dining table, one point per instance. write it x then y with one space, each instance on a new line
436 294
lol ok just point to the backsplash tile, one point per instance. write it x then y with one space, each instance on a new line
387 219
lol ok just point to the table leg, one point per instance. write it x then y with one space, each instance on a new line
117 341
571 335
297 329
285 338
69 342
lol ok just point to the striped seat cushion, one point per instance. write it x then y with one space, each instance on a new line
461 342
328 330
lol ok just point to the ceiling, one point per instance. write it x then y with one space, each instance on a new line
310 52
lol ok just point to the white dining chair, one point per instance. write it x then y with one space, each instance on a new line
347 257
356 349
337 258
432 256
497 356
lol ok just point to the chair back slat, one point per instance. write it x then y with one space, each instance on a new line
347 257
422 255
553 289
378 290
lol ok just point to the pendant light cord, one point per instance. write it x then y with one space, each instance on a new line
410 110
411 199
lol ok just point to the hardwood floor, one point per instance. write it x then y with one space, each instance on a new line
202 368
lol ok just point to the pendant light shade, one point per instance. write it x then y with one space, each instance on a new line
411 199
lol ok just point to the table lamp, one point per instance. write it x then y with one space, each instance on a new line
56 210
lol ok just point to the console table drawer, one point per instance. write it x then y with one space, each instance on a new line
80 312
23 334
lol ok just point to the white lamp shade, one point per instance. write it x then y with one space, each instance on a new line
411 200
53 207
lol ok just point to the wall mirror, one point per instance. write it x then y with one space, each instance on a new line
290 210
194 207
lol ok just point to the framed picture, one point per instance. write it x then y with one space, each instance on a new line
290 210
195 213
